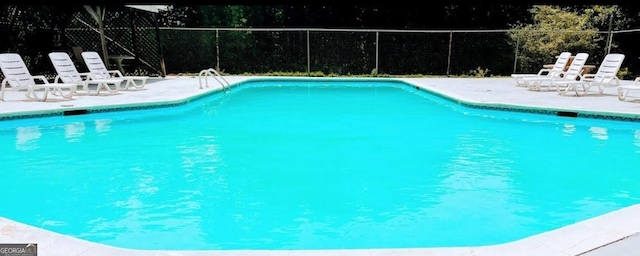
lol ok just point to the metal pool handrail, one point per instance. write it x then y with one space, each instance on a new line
205 73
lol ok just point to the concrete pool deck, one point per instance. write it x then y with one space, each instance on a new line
615 233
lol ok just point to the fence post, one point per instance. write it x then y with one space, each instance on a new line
377 48
449 57
610 37
163 69
217 51
515 60
134 40
308 55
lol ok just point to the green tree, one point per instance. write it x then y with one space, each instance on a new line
553 30
556 29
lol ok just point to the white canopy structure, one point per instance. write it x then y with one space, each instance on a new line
149 8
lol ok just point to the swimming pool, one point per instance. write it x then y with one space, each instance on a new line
315 165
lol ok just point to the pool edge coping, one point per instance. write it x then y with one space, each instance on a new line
461 100
457 99
575 239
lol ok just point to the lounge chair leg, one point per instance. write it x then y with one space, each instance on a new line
569 87
46 92
622 94
107 88
130 82
115 90
97 90
584 90
562 92
32 94
2 91
68 95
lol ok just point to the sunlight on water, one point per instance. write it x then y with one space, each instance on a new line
314 165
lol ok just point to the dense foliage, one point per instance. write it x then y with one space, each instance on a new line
537 33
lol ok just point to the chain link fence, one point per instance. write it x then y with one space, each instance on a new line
312 52
128 32
367 52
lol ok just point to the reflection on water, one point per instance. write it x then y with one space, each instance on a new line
568 129
599 133
27 137
477 165
140 215
202 157
103 125
479 183
344 177
73 131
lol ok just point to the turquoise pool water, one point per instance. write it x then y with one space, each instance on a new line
314 165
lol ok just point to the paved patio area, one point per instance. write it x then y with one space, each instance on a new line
615 233
496 92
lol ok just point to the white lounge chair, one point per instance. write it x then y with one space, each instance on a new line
555 71
97 70
623 90
17 75
67 73
572 74
607 75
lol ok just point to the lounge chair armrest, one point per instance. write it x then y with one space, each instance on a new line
97 75
544 70
68 76
41 78
6 81
615 77
115 73
583 78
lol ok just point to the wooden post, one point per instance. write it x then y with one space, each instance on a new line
98 15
